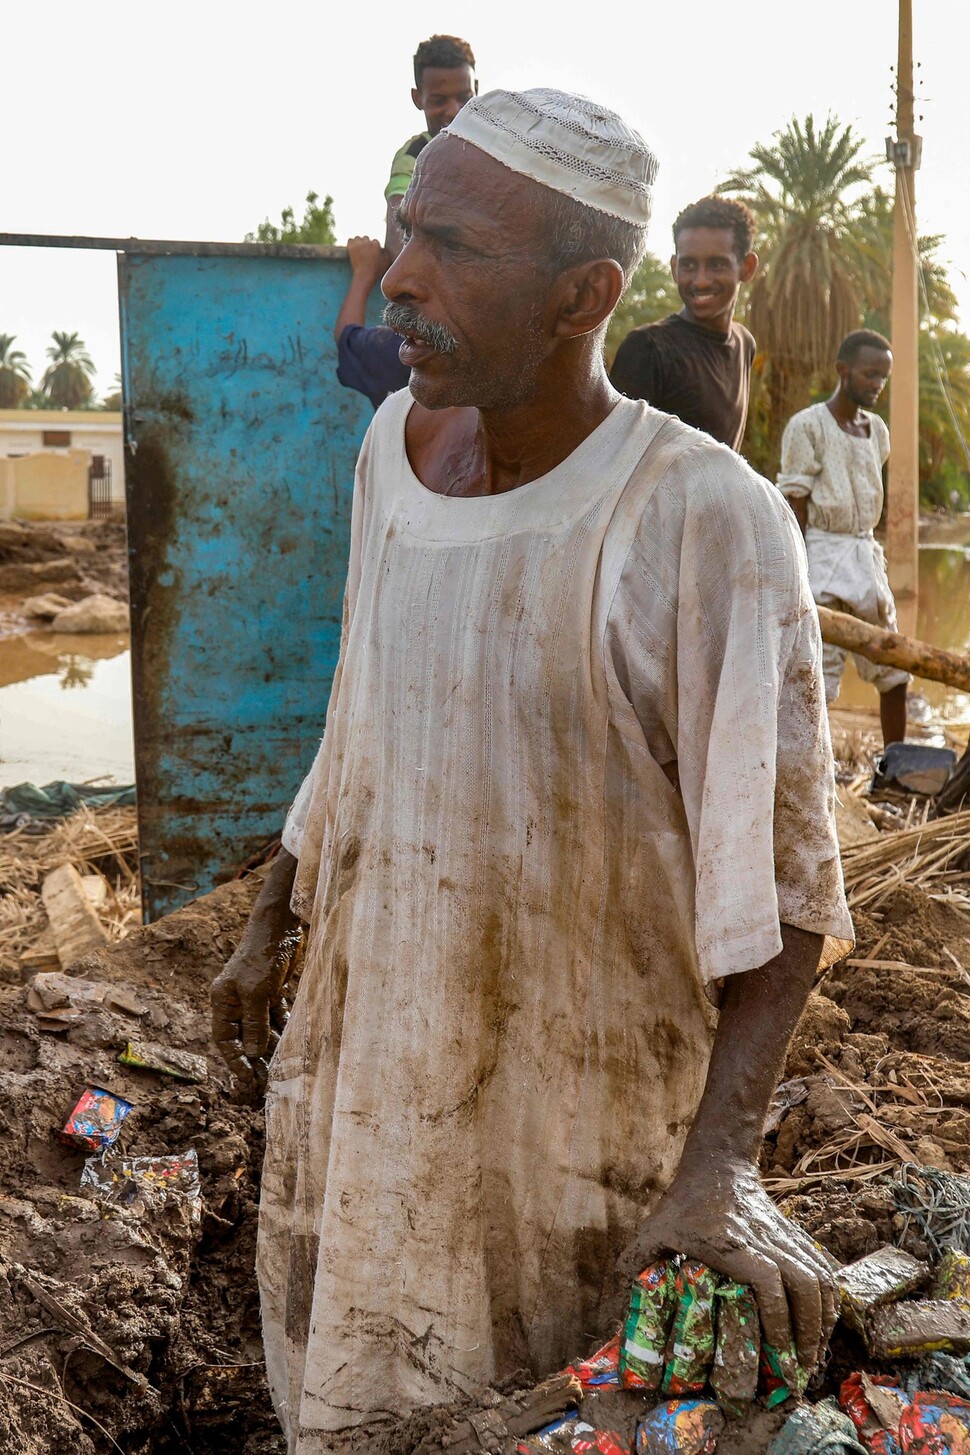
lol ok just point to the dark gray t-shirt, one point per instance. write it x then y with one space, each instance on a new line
701 377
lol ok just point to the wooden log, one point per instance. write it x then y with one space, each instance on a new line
891 649
73 921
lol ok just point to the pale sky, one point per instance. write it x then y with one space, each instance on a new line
196 120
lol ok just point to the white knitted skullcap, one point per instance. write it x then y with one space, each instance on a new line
564 142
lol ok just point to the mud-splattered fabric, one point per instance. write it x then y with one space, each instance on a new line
503 1027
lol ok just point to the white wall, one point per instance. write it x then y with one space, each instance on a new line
22 433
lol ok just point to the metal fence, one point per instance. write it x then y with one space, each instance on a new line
99 490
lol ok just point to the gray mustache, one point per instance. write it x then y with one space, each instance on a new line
405 318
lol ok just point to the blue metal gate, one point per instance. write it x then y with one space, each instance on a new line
240 452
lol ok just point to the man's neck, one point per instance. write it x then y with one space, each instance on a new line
472 452
846 412
719 327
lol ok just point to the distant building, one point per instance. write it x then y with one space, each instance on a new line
73 464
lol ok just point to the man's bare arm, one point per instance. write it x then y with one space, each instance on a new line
250 987
368 264
716 1208
799 504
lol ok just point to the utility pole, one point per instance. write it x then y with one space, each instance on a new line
902 511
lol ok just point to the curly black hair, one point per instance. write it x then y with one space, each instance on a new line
446 51
861 338
720 212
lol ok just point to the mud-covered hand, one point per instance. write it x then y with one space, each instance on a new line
716 1209
723 1216
247 996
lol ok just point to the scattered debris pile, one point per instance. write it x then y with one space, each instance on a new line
100 847
128 1305
68 562
128 1309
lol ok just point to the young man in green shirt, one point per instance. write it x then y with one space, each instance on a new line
444 79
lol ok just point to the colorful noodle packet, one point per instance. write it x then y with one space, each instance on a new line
854 1400
774 1386
599 1442
601 1368
690 1348
680 1427
734 1373
96 1119
935 1421
952 1278
647 1329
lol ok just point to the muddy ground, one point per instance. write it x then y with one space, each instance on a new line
145 1336
173 1302
72 558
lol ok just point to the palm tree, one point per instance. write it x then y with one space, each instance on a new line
14 374
804 190
67 381
944 410
874 243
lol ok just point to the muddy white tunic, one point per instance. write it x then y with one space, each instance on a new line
502 1031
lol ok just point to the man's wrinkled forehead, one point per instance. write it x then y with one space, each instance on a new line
456 182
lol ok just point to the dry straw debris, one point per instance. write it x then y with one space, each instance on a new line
103 842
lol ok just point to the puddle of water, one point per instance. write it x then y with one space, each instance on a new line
65 701
944 620
65 709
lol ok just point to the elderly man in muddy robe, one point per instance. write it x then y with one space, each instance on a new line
567 851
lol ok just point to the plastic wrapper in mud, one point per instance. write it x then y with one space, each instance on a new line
151 1056
144 1184
881 1277
773 1385
680 1427
734 1373
952 1278
557 1438
817 1428
690 1349
647 1329
601 1368
96 1119
854 1400
935 1424
924 1326
599 1442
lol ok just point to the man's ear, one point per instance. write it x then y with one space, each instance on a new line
416 98
673 266
585 296
476 85
749 267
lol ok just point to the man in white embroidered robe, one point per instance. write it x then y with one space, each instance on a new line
575 791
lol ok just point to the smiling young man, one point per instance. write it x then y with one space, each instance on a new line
696 364
833 470
575 790
444 81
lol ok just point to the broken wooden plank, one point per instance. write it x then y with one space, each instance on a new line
73 920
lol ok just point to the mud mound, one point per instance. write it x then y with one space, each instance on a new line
918 1011
184 951
78 558
911 926
146 1325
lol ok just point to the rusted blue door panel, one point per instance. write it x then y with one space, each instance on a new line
240 459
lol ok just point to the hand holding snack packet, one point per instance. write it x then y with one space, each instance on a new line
688 1331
